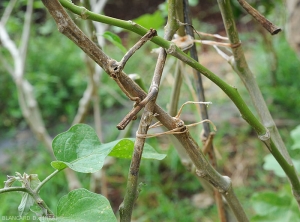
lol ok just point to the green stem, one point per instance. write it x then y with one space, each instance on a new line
12 189
203 168
34 193
176 52
231 91
239 64
37 189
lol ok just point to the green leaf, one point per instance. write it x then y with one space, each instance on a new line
58 165
82 205
138 80
124 149
272 164
271 206
295 134
39 212
80 149
154 21
26 202
268 202
115 40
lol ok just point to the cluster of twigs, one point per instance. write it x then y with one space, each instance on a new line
266 129
178 17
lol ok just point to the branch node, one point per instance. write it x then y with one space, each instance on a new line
172 48
201 173
265 137
132 22
149 35
113 68
83 13
137 107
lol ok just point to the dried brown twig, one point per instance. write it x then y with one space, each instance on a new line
269 26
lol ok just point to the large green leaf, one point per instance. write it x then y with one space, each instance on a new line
80 149
275 207
82 205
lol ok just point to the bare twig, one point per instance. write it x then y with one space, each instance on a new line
208 143
149 35
7 12
26 32
118 67
187 41
132 114
212 35
132 181
273 29
224 44
115 68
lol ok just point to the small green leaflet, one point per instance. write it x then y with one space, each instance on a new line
82 205
80 149
115 40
